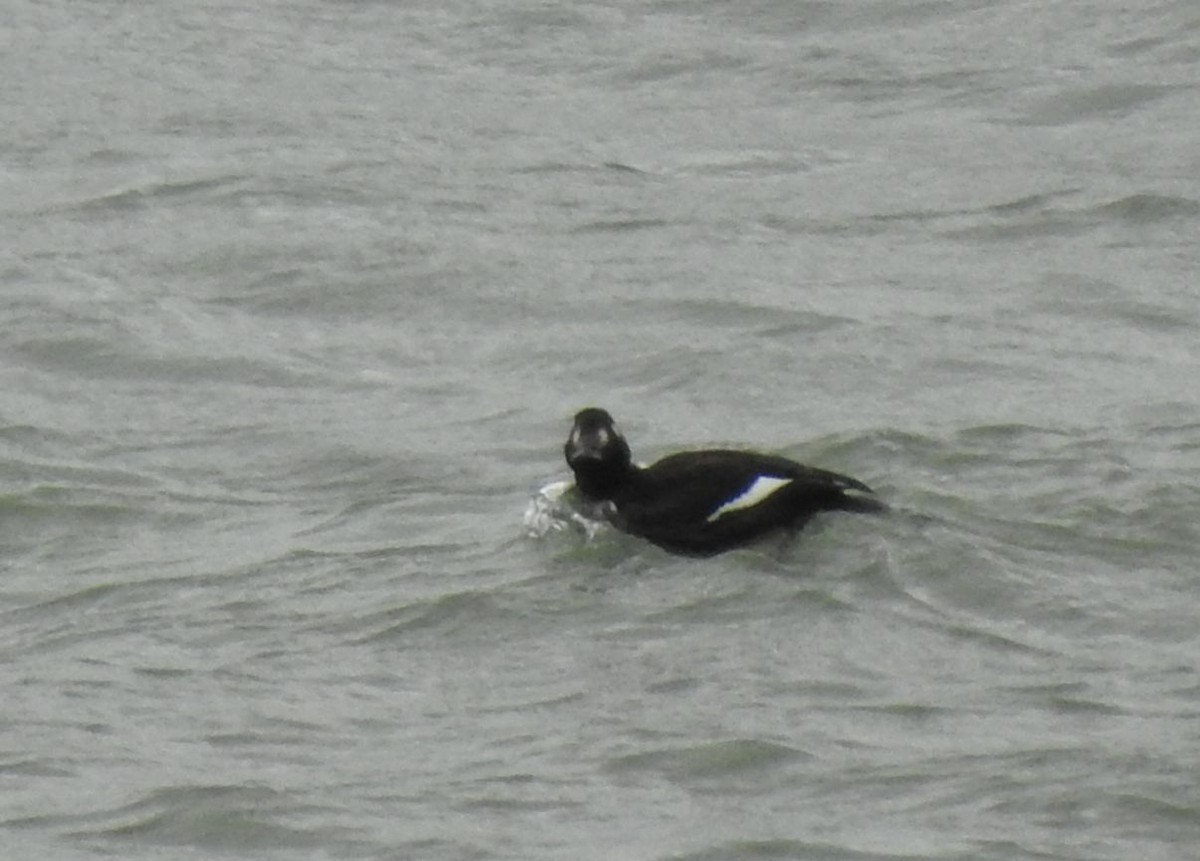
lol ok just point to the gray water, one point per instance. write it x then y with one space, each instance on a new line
298 298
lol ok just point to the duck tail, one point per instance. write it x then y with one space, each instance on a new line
861 499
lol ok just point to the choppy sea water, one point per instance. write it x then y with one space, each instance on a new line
298 299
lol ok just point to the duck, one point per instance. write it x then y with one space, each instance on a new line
702 503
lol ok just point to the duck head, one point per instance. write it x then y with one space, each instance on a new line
598 454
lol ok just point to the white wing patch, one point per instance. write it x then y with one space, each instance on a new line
760 489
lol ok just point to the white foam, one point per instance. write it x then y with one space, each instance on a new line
759 490
554 508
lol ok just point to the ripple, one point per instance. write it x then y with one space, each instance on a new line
220 818
621 225
459 612
1149 208
783 849
119 201
1084 104
711 760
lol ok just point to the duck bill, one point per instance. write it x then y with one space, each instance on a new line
584 448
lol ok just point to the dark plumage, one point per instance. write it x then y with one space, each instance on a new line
700 503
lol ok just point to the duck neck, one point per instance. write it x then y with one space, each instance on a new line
599 481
